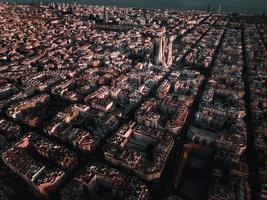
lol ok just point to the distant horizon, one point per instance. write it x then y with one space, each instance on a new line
228 6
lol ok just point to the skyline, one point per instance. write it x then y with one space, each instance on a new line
243 6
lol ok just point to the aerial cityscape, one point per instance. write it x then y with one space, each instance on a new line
111 103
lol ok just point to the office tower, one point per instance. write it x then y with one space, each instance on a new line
105 15
126 13
219 8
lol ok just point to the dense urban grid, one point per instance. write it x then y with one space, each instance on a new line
123 103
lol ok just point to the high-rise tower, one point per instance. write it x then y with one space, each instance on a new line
219 8
105 15
126 13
